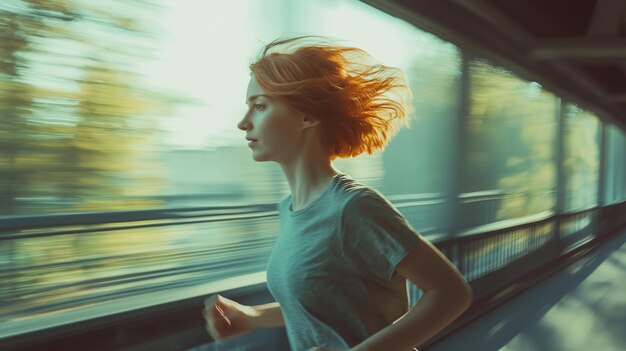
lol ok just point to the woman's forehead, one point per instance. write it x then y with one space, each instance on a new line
254 89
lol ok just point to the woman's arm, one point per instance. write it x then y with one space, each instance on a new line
446 296
268 316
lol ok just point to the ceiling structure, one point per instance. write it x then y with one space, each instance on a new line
574 48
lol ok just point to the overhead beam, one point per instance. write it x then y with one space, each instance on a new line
423 22
488 13
582 48
478 27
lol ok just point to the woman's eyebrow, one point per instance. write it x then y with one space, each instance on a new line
255 96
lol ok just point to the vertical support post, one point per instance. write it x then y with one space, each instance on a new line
560 172
457 166
458 157
603 142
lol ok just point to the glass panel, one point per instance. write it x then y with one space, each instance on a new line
510 168
135 105
417 160
581 158
615 183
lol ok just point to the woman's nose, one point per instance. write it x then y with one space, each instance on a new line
244 124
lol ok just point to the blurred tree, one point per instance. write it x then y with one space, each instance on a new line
511 133
74 116
75 129
581 159
15 108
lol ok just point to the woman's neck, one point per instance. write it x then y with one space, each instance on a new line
307 180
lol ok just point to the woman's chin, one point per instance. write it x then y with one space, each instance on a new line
260 157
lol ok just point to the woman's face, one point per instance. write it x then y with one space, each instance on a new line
275 129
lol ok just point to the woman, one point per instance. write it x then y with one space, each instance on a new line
339 267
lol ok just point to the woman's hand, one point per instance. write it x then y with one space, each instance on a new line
317 348
227 318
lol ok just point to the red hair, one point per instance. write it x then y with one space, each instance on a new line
360 104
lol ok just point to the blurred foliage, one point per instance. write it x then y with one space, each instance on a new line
510 141
581 162
73 113
76 128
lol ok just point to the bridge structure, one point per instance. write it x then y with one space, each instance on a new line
549 280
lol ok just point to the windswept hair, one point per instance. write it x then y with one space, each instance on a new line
361 104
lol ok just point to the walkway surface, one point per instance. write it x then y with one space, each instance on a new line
582 307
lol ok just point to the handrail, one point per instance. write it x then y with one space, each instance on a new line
10 223
20 222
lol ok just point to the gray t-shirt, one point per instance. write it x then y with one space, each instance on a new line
332 267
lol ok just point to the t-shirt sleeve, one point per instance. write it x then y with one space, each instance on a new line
375 235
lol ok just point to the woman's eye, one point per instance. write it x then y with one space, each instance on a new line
259 107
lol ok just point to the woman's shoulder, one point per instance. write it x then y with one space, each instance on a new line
358 194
